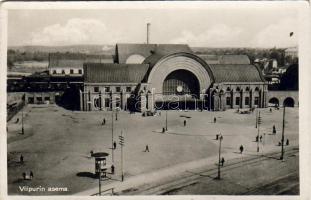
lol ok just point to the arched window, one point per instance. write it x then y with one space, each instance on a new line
256 89
228 89
238 89
247 89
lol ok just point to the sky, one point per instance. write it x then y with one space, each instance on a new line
263 28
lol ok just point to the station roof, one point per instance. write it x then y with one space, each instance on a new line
114 73
225 59
236 73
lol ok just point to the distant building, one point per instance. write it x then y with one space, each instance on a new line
292 51
71 64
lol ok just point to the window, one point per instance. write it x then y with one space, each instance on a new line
54 71
228 89
80 71
228 101
118 89
237 101
256 89
96 89
256 101
107 89
63 71
107 102
39 99
128 89
238 89
46 98
71 71
247 89
247 101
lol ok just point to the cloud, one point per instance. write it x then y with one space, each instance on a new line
219 35
277 35
75 31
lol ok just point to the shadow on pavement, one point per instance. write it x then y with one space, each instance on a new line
87 174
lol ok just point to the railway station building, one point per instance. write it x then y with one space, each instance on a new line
146 77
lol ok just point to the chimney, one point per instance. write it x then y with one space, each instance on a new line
148 25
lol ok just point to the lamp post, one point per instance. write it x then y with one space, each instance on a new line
259 122
220 139
112 148
22 121
282 140
166 120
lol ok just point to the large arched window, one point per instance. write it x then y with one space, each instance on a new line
135 59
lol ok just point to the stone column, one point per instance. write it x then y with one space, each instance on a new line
81 100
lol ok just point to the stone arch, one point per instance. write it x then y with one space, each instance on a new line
274 101
180 61
289 102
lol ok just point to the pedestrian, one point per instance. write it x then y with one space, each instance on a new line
112 169
271 110
260 138
24 175
17 120
287 142
257 138
280 143
273 129
241 149
114 145
104 121
91 152
31 175
147 148
214 119
163 130
222 161
185 122
217 136
21 159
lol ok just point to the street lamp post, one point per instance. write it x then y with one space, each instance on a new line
166 120
112 127
22 121
220 139
282 141
259 122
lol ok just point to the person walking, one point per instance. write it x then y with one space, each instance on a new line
222 161
214 119
273 130
287 142
112 169
21 159
185 122
114 145
260 138
241 149
147 148
257 138
31 175
24 175
104 121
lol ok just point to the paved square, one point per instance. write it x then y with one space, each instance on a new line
57 142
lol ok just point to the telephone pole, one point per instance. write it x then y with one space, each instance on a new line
112 127
259 122
220 139
121 142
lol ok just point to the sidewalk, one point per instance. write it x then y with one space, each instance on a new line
167 174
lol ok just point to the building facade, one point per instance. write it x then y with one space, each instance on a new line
147 77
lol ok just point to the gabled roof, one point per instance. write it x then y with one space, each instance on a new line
236 73
123 51
114 73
